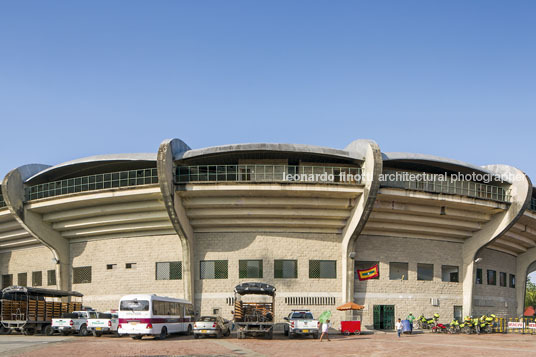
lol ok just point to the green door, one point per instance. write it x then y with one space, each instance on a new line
384 317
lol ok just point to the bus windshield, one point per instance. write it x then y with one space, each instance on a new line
134 305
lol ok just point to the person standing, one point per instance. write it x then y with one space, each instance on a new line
398 327
325 328
410 318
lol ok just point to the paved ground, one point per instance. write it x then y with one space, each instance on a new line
379 344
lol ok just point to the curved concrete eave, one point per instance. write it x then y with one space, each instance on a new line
98 158
252 147
438 161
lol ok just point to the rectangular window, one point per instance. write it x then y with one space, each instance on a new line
168 271
502 279
425 271
51 275
249 269
37 278
82 275
22 279
478 276
322 269
111 266
450 273
364 265
398 271
7 280
214 269
285 269
492 277
133 265
512 281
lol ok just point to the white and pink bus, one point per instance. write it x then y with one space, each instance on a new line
151 315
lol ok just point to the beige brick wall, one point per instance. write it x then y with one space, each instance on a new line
496 299
409 295
107 286
266 246
28 260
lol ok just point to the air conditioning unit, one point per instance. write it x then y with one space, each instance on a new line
434 301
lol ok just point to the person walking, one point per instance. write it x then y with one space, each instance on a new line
398 327
410 318
325 328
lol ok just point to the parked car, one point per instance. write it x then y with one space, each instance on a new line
74 322
106 322
301 322
212 326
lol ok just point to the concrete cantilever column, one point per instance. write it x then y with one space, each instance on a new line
169 149
371 170
524 266
13 191
521 190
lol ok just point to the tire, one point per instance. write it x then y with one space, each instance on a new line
190 330
48 331
346 333
357 332
270 335
315 335
83 330
196 336
136 337
163 334
285 331
97 333
290 335
29 331
65 333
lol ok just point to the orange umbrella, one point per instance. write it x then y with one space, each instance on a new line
350 306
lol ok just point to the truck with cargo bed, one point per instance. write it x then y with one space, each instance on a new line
254 318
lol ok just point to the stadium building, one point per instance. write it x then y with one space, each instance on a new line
445 236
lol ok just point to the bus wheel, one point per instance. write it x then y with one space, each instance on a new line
163 333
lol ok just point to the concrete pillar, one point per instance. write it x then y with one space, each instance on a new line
524 266
521 191
13 192
371 170
169 149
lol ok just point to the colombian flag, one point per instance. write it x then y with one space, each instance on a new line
368 273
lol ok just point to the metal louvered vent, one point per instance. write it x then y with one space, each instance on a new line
310 300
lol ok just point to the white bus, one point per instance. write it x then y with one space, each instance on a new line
151 315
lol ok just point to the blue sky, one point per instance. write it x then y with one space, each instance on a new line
450 78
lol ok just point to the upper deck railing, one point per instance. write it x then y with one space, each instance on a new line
463 188
92 183
2 202
533 204
268 173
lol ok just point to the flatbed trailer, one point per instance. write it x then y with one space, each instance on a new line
255 319
31 310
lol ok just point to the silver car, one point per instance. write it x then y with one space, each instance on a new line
212 326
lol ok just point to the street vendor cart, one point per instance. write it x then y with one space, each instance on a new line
352 326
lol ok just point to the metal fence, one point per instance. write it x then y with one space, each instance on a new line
2 202
522 325
465 188
268 173
92 182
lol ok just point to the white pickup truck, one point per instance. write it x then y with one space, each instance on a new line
301 322
106 322
74 322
